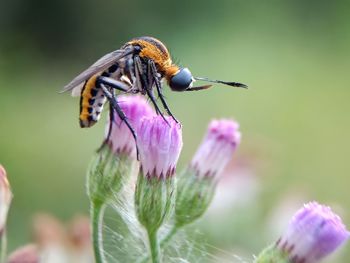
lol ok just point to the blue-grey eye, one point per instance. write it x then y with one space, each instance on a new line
181 80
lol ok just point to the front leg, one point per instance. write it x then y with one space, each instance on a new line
160 90
146 85
114 104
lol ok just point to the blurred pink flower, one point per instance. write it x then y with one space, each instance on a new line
25 254
5 198
50 236
58 244
79 235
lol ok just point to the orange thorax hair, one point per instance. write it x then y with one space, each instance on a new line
160 56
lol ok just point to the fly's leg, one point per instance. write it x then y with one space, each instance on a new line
115 84
147 85
111 119
114 105
159 89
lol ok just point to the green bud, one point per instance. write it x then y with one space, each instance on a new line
107 174
194 195
154 200
272 254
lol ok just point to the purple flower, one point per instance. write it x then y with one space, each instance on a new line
313 233
119 135
217 147
159 144
5 199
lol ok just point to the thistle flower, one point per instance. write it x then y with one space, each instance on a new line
217 147
313 233
160 144
118 135
5 199
113 163
196 186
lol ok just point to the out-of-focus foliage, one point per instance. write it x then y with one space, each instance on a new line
294 55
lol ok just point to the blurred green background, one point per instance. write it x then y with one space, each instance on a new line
294 55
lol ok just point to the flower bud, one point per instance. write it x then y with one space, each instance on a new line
196 185
313 233
5 199
118 134
217 148
26 254
113 163
160 144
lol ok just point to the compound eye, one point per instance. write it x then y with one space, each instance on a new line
181 80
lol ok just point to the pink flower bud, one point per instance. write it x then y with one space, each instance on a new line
26 254
119 135
160 144
217 147
313 233
5 198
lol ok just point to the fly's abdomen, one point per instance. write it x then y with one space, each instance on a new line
92 101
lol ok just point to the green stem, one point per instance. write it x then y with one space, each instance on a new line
154 246
163 242
3 245
97 211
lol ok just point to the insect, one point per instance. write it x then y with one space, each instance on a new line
139 66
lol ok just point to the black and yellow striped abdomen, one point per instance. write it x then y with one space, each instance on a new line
92 101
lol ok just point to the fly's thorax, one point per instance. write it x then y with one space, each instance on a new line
91 103
152 48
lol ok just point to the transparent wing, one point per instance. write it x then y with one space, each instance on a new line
76 91
100 65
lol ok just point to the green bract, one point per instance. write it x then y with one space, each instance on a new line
272 254
106 174
154 200
194 195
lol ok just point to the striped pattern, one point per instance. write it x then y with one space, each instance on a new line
92 101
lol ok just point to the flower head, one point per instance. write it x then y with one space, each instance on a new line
25 254
217 147
117 133
313 233
160 144
196 185
5 198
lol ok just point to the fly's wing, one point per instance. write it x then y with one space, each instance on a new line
76 91
100 65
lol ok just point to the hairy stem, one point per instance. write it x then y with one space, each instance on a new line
154 246
163 242
97 211
3 245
